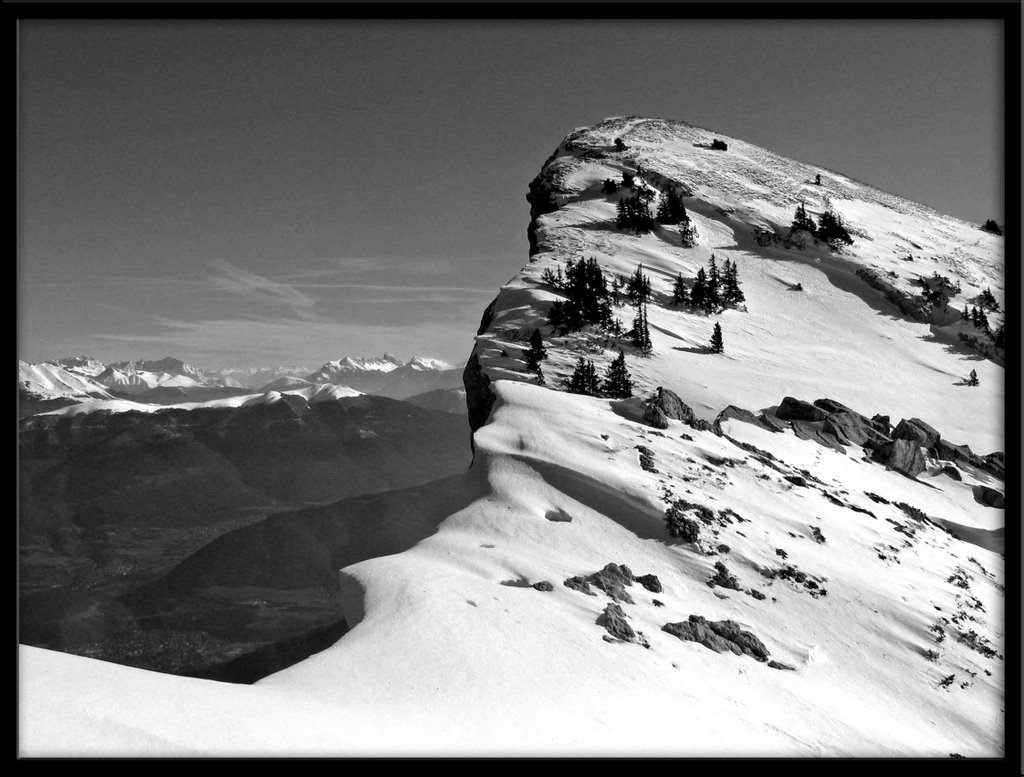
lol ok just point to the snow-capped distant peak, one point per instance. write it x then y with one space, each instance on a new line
49 381
81 365
423 363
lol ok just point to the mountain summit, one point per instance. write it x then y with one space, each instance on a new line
733 494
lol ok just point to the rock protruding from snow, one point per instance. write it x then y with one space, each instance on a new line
792 409
989 497
917 430
720 636
905 457
614 621
664 405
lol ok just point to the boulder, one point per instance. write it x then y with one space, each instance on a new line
808 430
917 430
797 410
881 423
651 583
655 416
742 415
949 471
544 585
830 406
989 497
773 423
614 621
580 584
996 464
672 406
959 454
852 429
746 641
612 580
720 636
906 458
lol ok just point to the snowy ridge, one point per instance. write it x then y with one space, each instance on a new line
886 631
321 393
49 381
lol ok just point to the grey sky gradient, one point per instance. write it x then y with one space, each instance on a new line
248 193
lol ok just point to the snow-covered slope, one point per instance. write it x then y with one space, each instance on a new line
875 599
321 393
50 381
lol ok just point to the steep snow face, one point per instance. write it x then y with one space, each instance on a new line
50 381
877 597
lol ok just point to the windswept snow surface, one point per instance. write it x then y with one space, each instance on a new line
452 651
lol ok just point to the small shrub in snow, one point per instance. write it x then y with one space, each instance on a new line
991 226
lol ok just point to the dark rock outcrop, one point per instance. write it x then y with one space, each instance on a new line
543 585
720 636
612 580
905 457
814 431
830 406
882 425
671 405
741 414
852 429
917 430
655 416
989 497
479 396
614 621
651 583
797 410
579 583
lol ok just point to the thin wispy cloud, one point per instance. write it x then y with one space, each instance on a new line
256 288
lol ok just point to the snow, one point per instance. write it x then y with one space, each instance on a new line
451 652
320 393
49 381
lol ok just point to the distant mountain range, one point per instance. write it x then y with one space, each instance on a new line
49 385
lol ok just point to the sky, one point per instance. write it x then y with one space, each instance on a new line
242 194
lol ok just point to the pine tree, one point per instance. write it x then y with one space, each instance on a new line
1000 336
699 291
732 293
687 232
540 376
670 208
619 145
617 383
990 225
641 332
537 353
627 179
831 230
972 380
638 288
680 296
801 221
616 289
965 315
584 379
717 346
714 296
609 186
